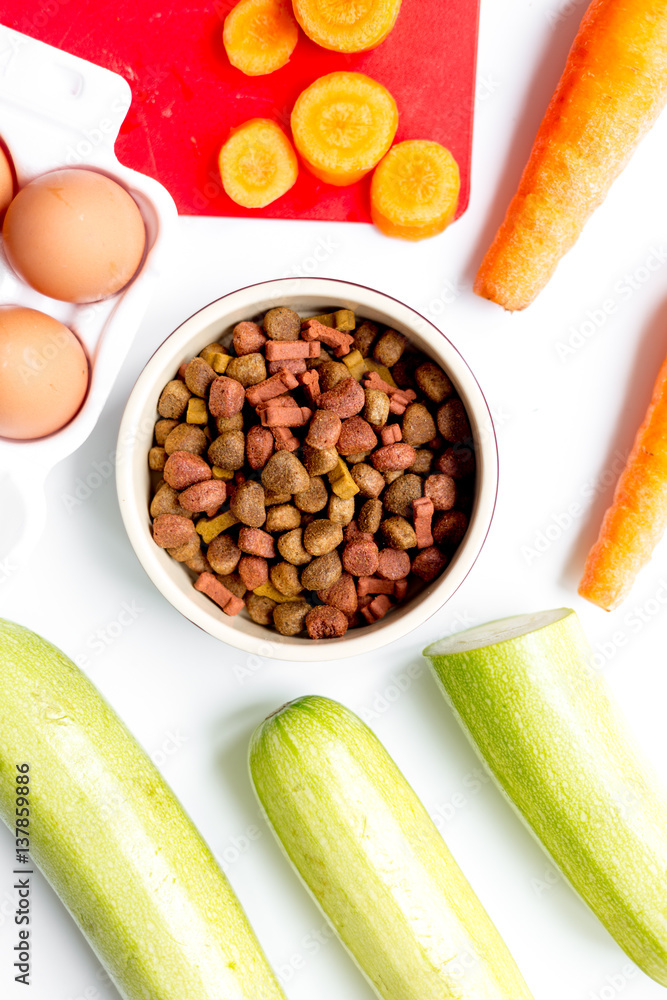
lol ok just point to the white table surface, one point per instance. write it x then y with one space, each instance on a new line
568 382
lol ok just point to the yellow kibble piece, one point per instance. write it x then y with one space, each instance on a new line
326 319
219 363
356 363
342 482
382 370
197 412
268 590
219 473
345 320
210 528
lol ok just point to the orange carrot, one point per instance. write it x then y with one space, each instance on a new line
415 190
637 518
260 35
347 26
257 163
612 90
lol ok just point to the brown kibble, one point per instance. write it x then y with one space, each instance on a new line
331 373
284 473
282 323
290 546
403 372
453 421
433 382
345 399
165 501
182 469
285 578
389 348
260 609
360 557
186 437
198 377
162 430
170 531
208 496
449 528
173 399
398 533
457 461
418 425
364 337
340 511
254 571
223 554
393 564
157 458
247 338
352 532
290 618
441 490
429 564
273 499
248 369
391 475
356 436
226 397
188 551
258 446
325 622
324 429
198 563
233 583
398 497
228 450
313 499
234 423
322 572
394 456
322 536
343 595
319 461
368 479
283 517
422 463
256 542
247 504
370 516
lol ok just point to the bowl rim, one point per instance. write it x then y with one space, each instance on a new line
198 609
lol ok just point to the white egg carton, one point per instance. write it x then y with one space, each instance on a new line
57 110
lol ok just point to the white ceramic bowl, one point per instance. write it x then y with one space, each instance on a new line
307 296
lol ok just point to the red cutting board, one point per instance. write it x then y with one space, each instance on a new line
187 96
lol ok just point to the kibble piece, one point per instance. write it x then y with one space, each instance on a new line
248 369
453 421
313 499
198 563
198 377
173 399
325 622
433 382
260 609
157 458
322 536
404 370
186 552
324 429
331 373
290 547
182 469
389 347
210 529
290 618
282 517
185 437
230 603
393 564
223 554
429 563
364 336
234 583
228 450
258 446
360 557
284 473
197 411
285 578
271 499
247 338
226 397
282 323
376 407
343 595
208 352
170 531
256 542
345 399
398 533
247 504
253 570
319 461
208 496
233 423
423 462
357 458
369 480
391 475
441 490
162 430
165 501
398 497
418 426
340 510
394 456
457 461
450 527
322 572
370 516
356 436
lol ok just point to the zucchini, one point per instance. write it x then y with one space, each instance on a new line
113 841
372 858
527 694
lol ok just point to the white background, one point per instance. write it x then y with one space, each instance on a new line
564 420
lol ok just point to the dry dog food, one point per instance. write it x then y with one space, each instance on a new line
313 474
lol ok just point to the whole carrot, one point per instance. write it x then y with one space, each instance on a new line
637 518
612 90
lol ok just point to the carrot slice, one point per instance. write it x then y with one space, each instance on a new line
637 518
257 163
415 190
351 26
342 125
612 90
260 35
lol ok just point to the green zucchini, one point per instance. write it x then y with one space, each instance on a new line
527 694
371 856
113 841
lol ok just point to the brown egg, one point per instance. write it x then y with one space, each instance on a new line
6 181
74 235
43 373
